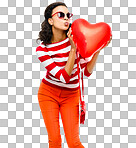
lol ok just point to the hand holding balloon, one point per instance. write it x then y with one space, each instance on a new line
73 46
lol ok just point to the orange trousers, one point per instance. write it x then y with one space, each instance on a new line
51 101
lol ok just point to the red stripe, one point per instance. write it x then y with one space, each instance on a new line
61 55
43 58
50 67
39 48
64 45
57 75
65 75
60 63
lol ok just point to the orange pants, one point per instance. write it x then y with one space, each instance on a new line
51 101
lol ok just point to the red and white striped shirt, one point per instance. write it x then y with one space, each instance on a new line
54 57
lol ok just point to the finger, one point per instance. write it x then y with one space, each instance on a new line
70 29
68 34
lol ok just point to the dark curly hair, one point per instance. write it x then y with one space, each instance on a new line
45 34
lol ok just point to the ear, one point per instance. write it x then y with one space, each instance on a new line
50 20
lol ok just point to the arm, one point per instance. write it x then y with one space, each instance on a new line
71 60
88 64
83 65
49 64
72 55
91 64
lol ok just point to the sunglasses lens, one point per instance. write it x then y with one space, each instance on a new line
61 15
69 15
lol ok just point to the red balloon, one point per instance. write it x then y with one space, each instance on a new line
89 38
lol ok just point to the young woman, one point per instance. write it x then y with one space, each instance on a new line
59 90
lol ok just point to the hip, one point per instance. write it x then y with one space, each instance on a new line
56 91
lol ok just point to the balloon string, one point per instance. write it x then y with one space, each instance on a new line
82 84
79 79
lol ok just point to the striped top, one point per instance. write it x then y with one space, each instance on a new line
54 57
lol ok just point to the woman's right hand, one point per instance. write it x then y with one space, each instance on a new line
70 36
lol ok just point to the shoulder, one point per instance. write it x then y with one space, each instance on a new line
41 47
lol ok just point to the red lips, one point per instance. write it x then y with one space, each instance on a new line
66 23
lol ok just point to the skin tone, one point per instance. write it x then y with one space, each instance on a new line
59 29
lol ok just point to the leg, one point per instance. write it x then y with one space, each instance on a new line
69 111
50 112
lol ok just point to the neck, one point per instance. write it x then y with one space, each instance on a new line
58 35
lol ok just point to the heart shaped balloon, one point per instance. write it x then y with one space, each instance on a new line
89 38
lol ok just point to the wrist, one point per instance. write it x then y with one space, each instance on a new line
97 52
73 49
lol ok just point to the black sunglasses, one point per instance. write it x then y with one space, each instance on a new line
62 15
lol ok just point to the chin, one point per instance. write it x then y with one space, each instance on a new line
66 27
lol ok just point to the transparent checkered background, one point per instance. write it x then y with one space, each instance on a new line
110 92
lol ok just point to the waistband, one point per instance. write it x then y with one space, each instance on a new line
47 89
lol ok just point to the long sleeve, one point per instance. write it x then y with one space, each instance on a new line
58 72
83 65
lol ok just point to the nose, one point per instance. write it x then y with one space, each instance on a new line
66 17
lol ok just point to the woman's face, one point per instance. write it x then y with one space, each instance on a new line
59 23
